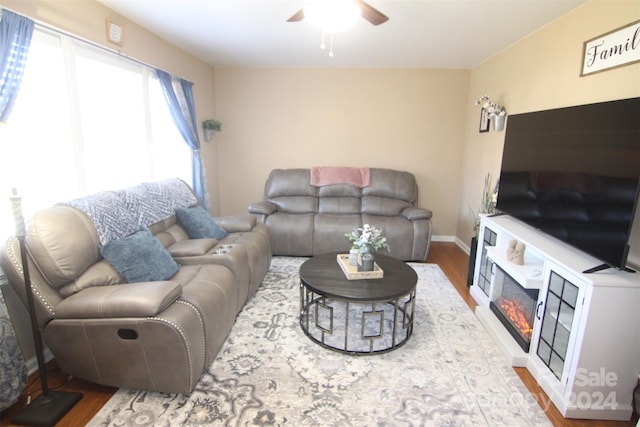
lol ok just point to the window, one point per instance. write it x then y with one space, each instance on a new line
85 120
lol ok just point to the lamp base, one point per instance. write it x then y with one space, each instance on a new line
47 410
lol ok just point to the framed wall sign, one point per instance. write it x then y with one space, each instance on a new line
613 49
114 32
484 120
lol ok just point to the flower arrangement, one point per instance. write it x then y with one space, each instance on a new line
493 109
367 239
488 203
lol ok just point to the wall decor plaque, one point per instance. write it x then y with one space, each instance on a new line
611 50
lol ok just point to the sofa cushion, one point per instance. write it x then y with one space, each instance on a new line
386 206
192 247
99 274
63 242
392 184
199 224
140 257
237 223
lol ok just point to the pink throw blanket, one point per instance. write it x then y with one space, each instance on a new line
328 175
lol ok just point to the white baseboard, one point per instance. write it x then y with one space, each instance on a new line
452 239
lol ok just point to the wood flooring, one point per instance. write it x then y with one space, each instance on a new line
451 259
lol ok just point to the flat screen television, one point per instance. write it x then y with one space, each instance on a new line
574 173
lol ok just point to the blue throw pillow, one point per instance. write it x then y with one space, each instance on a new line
199 224
140 257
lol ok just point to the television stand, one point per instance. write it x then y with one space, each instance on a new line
585 336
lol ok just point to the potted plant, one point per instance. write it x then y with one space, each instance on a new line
367 240
210 126
495 111
487 207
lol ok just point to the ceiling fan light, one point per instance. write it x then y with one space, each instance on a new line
332 15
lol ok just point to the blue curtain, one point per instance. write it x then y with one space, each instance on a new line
179 96
15 38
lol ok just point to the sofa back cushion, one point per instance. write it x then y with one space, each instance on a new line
389 193
339 199
290 190
63 242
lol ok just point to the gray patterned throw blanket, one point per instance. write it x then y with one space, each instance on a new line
116 214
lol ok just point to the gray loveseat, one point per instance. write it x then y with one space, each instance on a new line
306 220
127 295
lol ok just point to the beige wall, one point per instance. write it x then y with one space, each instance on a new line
86 19
408 119
542 72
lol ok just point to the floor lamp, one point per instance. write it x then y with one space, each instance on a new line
48 408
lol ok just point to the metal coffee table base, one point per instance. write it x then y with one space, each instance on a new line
356 327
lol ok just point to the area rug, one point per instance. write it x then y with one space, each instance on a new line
268 373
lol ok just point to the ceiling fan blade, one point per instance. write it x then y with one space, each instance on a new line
371 14
298 16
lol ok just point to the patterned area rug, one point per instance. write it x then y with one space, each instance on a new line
268 373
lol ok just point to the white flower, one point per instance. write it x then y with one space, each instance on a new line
488 203
493 109
367 239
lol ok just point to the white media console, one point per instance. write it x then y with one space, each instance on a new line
584 341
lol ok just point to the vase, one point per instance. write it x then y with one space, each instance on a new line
366 263
498 122
353 256
472 260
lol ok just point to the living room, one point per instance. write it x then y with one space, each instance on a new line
421 120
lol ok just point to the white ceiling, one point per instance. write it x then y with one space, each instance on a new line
419 33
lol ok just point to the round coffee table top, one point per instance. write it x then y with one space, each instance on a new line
323 275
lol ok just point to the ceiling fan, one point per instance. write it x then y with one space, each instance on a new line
367 11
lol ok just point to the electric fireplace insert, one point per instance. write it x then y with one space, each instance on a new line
514 306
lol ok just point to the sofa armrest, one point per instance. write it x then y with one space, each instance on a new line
140 299
413 214
237 223
262 208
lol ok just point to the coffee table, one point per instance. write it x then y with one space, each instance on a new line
359 317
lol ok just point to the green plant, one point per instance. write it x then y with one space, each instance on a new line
488 202
212 124
367 239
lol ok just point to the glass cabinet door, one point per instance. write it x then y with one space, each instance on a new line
489 238
557 321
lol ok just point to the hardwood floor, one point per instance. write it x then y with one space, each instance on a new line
451 259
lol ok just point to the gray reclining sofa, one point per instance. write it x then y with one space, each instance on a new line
306 220
155 318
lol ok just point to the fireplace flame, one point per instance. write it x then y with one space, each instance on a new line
515 312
